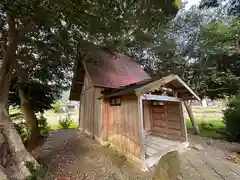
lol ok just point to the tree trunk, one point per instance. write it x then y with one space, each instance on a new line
2 174
16 147
191 116
31 120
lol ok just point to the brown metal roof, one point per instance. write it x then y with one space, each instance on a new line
77 82
115 70
112 70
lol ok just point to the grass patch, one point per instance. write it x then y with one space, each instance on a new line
208 128
206 110
57 126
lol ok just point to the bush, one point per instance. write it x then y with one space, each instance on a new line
20 125
232 119
36 173
65 122
22 129
43 125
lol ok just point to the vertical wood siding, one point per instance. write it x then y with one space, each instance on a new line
166 120
90 108
121 125
147 115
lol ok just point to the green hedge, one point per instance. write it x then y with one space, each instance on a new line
232 119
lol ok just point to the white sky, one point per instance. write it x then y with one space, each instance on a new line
191 2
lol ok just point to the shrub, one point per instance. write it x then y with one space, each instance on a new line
65 122
22 129
232 119
20 125
43 125
36 173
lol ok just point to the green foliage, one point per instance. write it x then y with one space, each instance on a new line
46 95
57 107
202 47
57 126
64 123
232 7
212 128
219 54
22 129
209 3
36 172
43 125
52 35
211 125
20 125
232 119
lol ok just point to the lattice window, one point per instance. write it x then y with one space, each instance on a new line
115 101
157 103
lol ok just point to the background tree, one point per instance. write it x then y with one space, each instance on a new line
33 98
104 23
230 7
202 47
43 72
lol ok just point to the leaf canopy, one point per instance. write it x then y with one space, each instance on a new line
51 34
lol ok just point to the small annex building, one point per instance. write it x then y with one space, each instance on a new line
122 105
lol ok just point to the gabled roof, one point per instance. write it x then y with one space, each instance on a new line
115 70
111 71
173 82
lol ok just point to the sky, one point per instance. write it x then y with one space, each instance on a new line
191 2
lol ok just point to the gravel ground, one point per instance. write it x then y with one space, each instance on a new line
76 156
72 155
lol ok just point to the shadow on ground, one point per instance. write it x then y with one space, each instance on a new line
70 154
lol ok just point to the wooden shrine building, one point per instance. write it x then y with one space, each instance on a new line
121 105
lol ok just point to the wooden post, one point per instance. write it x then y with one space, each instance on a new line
93 123
84 110
165 114
191 116
183 123
79 108
141 129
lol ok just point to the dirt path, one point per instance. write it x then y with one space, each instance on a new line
72 155
76 156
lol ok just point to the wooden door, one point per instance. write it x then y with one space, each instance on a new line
159 120
168 121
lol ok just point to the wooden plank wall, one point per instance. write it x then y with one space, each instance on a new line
121 125
159 119
147 115
174 119
168 121
90 108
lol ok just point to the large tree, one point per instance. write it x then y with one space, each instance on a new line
111 23
230 7
43 72
201 46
